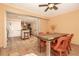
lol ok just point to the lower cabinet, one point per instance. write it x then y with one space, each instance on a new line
25 34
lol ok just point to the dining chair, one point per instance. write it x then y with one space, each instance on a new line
42 42
54 42
69 43
48 33
42 45
42 33
61 47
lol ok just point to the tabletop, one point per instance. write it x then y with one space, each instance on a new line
50 37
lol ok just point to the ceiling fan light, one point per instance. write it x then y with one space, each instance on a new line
50 5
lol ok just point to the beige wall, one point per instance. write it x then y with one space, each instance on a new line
3 9
2 25
43 25
67 23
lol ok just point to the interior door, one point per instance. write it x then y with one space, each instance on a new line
14 28
36 27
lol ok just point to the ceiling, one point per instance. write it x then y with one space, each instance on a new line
62 8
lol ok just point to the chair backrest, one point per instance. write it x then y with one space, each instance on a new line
42 33
62 42
47 32
70 36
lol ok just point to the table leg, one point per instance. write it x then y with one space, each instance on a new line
48 49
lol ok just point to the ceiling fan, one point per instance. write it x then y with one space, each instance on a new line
50 6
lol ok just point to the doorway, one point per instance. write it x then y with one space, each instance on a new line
14 25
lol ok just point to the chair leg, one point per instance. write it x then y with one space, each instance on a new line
60 53
55 53
70 47
68 51
65 53
40 49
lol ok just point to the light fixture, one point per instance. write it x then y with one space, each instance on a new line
50 5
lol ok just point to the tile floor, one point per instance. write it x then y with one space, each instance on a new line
19 47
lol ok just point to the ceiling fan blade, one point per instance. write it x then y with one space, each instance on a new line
51 8
46 9
43 5
56 3
55 8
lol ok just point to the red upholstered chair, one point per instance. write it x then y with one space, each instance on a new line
47 32
69 46
42 33
61 47
42 43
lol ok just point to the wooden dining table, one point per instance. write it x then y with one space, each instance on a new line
48 38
